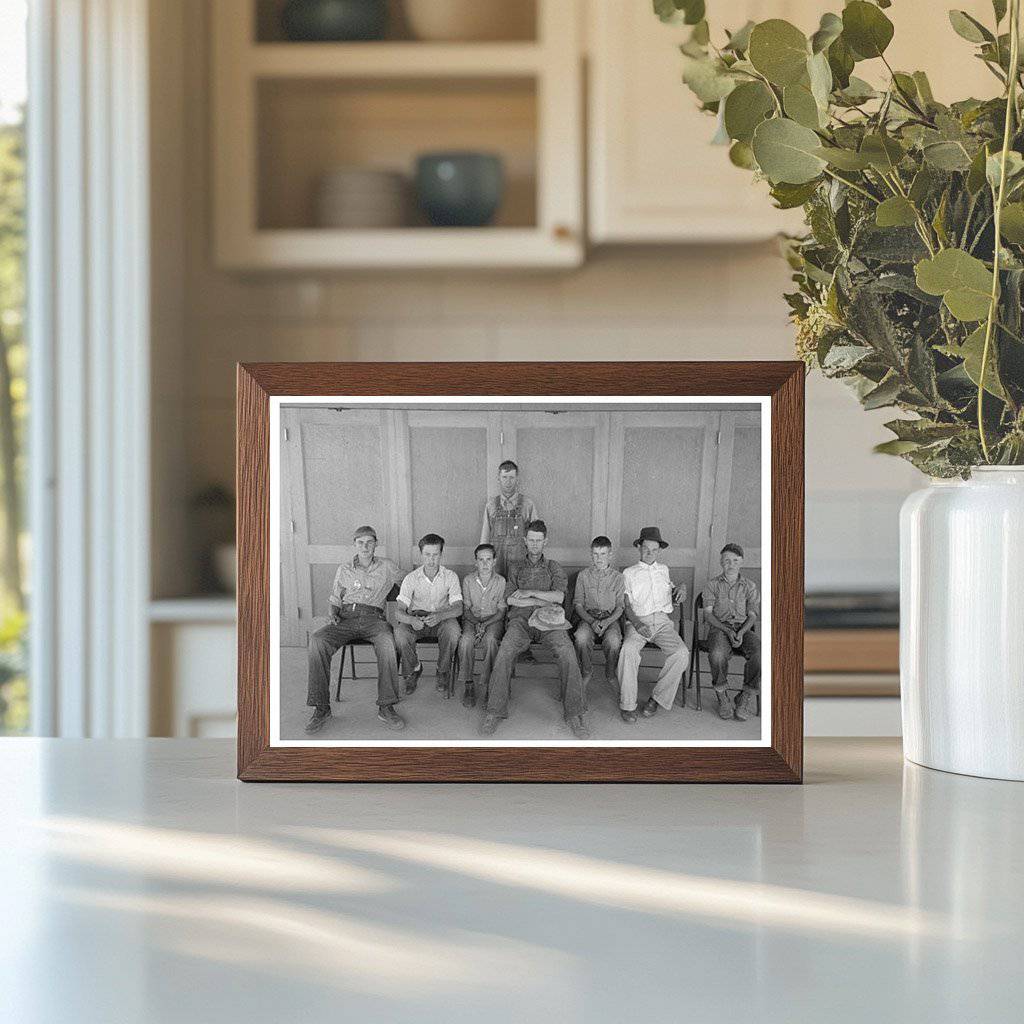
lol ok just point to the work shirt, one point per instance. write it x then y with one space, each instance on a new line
420 594
505 519
483 600
358 584
599 590
544 574
732 602
648 588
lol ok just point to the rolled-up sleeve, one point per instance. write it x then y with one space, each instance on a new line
405 591
709 595
338 590
753 599
559 581
454 589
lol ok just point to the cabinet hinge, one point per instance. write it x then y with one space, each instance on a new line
501 437
286 433
718 437
292 521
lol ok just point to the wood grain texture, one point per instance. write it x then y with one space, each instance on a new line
781 762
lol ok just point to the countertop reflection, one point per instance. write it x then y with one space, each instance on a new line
140 882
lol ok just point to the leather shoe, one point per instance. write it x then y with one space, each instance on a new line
413 679
489 725
318 720
650 708
390 717
579 728
725 706
628 716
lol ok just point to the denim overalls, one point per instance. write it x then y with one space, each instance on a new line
508 533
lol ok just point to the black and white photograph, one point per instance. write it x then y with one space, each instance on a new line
520 571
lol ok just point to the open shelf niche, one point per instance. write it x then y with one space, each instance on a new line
287 113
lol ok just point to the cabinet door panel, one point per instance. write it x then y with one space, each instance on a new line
338 479
653 174
737 508
662 474
448 472
563 465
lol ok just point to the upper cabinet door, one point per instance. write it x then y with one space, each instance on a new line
654 175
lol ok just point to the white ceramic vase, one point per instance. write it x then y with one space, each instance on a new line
962 624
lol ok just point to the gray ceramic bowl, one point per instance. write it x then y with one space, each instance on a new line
460 189
333 21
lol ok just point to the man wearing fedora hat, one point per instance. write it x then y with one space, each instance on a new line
360 590
650 598
534 592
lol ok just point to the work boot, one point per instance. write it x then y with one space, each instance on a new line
579 727
489 725
413 679
628 716
650 708
318 720
725 705
390 717
742 708
469 696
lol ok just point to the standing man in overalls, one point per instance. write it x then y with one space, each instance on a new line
505 519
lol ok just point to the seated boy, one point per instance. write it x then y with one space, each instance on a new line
429 606
732 605
483 621
598 603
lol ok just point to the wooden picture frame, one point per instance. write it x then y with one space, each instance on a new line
780 759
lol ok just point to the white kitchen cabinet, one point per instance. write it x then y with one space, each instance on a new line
653 175
285 114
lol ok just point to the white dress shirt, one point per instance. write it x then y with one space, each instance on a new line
648 588
418 593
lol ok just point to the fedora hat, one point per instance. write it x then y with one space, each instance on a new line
650 533
548 617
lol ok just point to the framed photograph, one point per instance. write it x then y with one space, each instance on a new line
520 571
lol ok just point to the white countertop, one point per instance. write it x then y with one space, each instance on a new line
140 882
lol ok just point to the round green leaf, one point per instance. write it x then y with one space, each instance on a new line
895 212
829 29
844 159
968 28
1011 225
883 152
801 106
745 108
820 76
787 152
741 155
779 51
963 281
866 29
707 79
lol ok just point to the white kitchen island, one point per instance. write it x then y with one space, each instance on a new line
140 882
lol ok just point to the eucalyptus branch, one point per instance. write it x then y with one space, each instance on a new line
853 185
1011 109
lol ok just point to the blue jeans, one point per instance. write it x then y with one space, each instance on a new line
611 643
518 637
326 641
720 650
489 642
